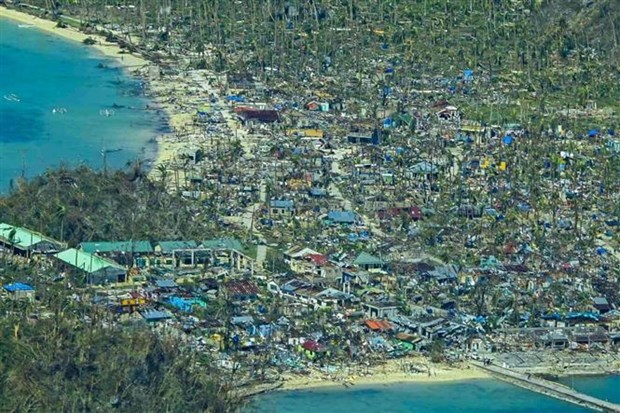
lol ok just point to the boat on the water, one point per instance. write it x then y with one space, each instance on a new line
12 97
106 112
25 26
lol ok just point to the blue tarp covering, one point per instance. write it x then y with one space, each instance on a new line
235 98
18 287
592 133
507 140
185 304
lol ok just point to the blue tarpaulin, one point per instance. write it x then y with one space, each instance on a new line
235 98
592 133
507 140
18 287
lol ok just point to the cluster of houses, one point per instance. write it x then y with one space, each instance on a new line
392 231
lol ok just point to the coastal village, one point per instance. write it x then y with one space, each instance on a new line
335 217
397 237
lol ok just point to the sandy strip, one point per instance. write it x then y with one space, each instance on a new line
384 375
175 96
108 49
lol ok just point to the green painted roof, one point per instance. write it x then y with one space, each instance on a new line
85 261
117 246
23 238
224 244
366 259
169 246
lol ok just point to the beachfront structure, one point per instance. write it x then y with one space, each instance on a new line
26 242
98 270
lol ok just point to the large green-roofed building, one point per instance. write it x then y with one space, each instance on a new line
128 247
25 241
98 270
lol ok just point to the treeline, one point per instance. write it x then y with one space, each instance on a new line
77 205
559 45
70 359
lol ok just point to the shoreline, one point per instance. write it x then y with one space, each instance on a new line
301 383
130 63
391 373
396 371
108 49
173 96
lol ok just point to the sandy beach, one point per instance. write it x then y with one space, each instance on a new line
163 93
108 49
390 373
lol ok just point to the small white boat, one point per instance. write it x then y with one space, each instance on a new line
25 26
12 97
60 111
106 112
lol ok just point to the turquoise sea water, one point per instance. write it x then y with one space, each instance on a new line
40 72
474 396
603 387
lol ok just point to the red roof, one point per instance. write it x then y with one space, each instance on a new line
242 287
313 346
378 325
317 259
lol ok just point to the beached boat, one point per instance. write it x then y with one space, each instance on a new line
25 26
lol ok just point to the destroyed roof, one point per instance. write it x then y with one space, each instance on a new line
241 287
156 315
117 246
317 259
424 167
379 325
169 246
22 238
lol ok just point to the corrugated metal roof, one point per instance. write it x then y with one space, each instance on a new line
22 238
347 217
85 261
156 315
117 246
169 246
366 259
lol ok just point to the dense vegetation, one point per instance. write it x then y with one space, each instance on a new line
69 358
538 53
85 205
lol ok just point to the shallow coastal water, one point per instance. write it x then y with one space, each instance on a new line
603 387
473 396
54 95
